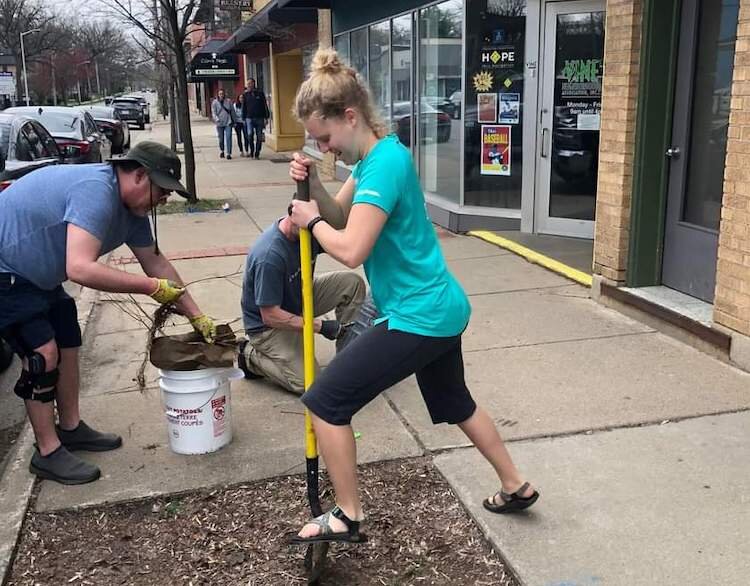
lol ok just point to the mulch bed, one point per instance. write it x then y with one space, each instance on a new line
419 535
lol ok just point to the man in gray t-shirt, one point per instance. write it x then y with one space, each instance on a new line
54 225
272 306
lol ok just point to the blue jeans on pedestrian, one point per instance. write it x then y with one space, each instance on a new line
225 138
255 126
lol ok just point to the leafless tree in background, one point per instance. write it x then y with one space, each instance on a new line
166 24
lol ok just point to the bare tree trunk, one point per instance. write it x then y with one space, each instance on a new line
183 111
172 118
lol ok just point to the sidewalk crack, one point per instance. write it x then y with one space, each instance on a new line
565 341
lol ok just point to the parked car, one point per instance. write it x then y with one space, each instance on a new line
456 98
144 105
25 145
74 130
434 123
575 153
115 128
441 104
130 110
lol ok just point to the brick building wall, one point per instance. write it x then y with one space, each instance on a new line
732 301
622 46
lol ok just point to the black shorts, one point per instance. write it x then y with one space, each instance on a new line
30 317
377 360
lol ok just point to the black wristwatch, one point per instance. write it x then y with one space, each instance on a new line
311 223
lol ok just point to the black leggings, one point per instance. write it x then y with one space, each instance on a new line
377 360
239 128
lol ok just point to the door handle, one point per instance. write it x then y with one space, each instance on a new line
673 152
544 152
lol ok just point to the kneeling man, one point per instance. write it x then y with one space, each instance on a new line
272 306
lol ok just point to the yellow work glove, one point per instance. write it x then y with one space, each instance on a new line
167 291
205 326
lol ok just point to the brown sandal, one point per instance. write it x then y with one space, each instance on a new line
511 502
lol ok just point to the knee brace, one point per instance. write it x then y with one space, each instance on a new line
36 378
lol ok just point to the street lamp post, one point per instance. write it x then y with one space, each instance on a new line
23 59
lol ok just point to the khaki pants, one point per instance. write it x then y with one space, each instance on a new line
277 354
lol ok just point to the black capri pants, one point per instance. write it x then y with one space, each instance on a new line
379 358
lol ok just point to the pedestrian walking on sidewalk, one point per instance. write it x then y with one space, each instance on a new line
54 225
222 111
255 114
423 307
239 125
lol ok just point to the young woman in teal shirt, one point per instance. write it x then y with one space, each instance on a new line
379 220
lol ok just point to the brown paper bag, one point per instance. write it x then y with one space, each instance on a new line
191 352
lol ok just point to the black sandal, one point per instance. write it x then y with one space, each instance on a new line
511 502
351 535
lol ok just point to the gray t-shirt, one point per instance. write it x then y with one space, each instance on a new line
35 212
272 277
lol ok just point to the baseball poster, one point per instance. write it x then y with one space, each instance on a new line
495 153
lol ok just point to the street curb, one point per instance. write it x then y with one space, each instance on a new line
480 523
16 483
534 257
17 486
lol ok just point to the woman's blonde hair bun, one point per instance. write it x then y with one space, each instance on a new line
326 61
331 88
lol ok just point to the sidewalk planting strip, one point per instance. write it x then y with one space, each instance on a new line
16 481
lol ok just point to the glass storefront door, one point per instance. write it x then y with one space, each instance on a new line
568 145
708 31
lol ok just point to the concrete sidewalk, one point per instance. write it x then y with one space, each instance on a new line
637 442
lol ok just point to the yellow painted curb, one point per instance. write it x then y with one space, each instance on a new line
534 257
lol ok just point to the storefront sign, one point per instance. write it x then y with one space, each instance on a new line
495 152
499 57
579 94
7 83
244 5
207 66
510 108
487 108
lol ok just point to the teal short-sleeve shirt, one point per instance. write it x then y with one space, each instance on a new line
411 285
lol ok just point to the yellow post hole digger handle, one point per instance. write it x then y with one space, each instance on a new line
308 316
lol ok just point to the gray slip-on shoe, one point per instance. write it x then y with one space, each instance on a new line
85 438
63 467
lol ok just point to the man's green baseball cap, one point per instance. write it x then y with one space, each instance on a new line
161 163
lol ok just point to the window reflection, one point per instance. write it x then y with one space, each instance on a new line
341 44
359 51
712 92
380 67
439 78
401 81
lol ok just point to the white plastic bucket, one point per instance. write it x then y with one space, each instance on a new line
197 404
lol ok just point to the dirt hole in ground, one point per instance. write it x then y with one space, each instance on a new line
419 535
